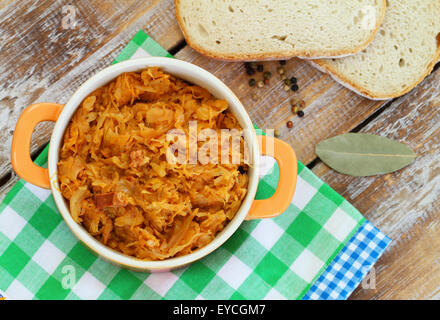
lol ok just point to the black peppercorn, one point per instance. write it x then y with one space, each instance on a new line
300 113
293 80
252 82
282 62
294 87
250 71
260 68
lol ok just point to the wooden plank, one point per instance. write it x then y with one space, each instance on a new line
406 204
330 109
41 61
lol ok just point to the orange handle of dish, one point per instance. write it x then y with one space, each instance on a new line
288 165
21 142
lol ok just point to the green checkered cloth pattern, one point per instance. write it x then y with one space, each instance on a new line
277 258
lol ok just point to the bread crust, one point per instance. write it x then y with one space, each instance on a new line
277 55
324 67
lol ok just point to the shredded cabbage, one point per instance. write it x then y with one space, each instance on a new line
113 169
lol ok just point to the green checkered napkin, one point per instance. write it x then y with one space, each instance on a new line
265 259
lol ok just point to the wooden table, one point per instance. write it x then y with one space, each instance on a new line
41 61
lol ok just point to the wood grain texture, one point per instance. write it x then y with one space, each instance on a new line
331 109
42 62
406 204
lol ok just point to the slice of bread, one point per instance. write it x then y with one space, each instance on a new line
403 53
268 29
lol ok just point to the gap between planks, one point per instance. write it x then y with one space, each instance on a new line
371 118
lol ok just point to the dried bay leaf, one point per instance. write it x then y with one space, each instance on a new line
360 154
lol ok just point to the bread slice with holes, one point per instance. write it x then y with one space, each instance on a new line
403 53
267 29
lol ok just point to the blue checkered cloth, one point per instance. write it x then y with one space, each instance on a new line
351 265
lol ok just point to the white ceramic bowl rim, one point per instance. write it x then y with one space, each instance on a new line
188 72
